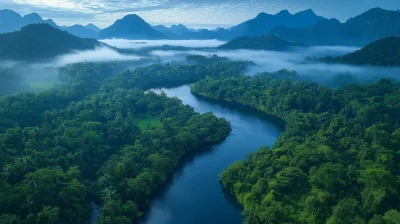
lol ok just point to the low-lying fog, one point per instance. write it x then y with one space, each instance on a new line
101 54
36 76
270 61
39 76
137 44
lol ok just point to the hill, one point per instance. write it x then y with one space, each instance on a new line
374 24
131 27
11 21
40 41
266 42
264 23
383 52
81 31
174 31
92 27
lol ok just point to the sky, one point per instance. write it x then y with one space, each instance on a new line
193 13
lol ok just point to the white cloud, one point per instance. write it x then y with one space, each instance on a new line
272 61
98 55
137 44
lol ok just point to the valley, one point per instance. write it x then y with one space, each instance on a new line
287 116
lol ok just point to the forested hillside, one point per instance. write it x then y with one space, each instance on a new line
361 30
383 52
40 41
336 163
267 42
100 138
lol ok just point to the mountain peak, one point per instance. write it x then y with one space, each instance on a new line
7 15
132 17
77 25
309 12
51 23
92 27
32 18
375 14
376 9
262 15
264 22
180 25
284 12
131 27
9 11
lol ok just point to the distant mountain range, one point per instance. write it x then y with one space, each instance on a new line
267 42
383 52
37 42
305 27
264 22
260 25
358 31
82 31
11 21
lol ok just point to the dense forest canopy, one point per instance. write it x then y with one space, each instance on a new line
383 52
40 41
99 138
336 163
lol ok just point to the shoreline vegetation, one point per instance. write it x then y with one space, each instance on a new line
336 160
98 127
103 138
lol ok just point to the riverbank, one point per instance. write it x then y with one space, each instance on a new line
194 193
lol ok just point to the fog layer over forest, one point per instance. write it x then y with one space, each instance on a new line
39 76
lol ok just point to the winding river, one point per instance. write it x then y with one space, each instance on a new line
194 194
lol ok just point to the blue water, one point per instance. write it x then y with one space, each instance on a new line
194 195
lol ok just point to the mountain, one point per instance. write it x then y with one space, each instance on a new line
374 24
204 34
383 52
182 32
173 32
264 23
131 27
39 42
7 15
81 31
266 42
92 27
11 21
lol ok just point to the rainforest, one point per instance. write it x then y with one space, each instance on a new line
287 117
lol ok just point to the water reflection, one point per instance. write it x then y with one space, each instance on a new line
194 194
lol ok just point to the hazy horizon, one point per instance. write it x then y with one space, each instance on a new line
190 13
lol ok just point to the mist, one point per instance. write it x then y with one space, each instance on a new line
39 76
103 54
23 76
138 44
271 61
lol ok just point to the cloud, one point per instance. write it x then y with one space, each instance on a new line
98 55
137 44
271 61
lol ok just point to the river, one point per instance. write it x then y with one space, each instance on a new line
194 194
